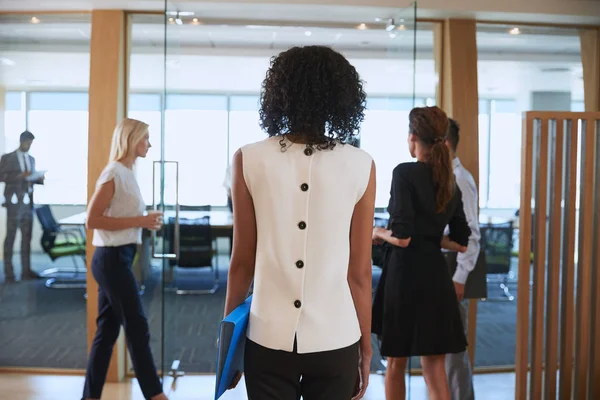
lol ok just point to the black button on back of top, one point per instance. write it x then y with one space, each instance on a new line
297 304
300 264
302 225
304 187
308 151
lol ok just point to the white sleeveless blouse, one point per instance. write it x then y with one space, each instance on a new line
304 202
127 201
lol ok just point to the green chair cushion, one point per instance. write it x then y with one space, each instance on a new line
62 240
67 250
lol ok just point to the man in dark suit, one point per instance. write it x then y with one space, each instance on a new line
15 169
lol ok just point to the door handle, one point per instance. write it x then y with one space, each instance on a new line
176 233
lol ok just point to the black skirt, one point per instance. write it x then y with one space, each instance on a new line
415 309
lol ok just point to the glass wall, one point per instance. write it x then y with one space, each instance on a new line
42 283
520 68
207 110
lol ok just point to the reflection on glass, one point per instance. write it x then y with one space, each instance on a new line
147 108
244 125
505 140
484 143
60 124
196 136
383 135
43 315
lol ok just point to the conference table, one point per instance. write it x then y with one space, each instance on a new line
221 222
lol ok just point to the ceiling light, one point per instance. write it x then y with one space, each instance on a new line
362 27
402 28
171 20
308 33
377 19
178 21
181 13
35 20
515 31
392 35
195 20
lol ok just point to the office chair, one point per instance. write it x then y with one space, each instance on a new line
497 243
196 249
59 242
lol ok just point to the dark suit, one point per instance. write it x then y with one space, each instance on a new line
18 200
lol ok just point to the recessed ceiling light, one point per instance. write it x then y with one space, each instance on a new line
308 33
377 19
171 20
362 27
195 21
392 35
35 20
402 28
515 31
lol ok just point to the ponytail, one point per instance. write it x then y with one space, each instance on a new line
430 125
443 175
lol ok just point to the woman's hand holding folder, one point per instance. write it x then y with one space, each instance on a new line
236 380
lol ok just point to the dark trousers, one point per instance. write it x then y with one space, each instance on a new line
119 304
18 216
280 375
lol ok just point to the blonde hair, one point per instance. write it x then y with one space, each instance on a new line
128 133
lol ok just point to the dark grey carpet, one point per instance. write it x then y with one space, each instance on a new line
41 327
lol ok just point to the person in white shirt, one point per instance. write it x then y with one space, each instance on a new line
458 366
304 203
116 213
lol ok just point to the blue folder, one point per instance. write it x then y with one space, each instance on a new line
232 340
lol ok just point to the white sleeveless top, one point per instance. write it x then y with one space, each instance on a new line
304 205
127 201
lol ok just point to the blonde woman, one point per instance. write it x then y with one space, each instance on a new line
116 214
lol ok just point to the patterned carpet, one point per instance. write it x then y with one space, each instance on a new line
41 327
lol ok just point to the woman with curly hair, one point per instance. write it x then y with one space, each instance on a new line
415 311
303 203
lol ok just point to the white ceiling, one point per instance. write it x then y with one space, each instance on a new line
540 11
54 53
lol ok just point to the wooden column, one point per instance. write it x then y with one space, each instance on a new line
455 52
590 59
106 109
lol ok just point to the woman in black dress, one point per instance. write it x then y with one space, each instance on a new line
415 311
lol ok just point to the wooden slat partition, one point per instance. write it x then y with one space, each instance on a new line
555 167
549 208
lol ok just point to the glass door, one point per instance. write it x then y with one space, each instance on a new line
146 88
213 72
390 87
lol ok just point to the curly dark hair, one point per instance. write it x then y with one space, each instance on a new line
315 93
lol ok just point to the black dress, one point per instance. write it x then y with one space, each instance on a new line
415 309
